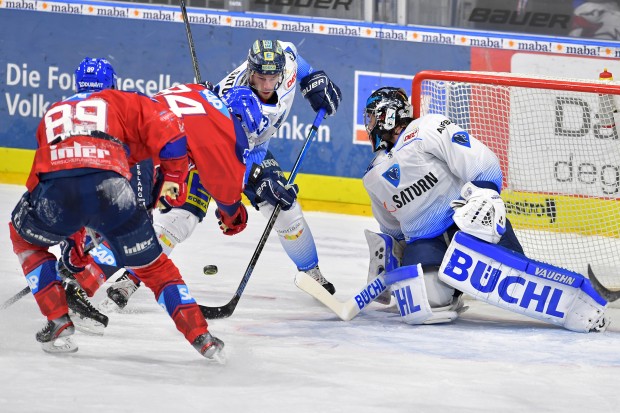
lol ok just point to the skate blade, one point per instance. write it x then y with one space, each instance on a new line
88 326
60 345
108 306
385 298
219 357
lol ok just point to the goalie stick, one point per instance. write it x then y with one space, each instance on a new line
609 295
227 309
345 310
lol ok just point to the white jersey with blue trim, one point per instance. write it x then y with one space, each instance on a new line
411 185
274 114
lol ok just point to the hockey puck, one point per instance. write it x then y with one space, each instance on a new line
210 269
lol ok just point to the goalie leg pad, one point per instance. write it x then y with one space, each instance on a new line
408 287
174 227
385 255
512 281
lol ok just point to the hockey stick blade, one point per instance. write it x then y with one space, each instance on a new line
345 310
212 313
606 293
15 298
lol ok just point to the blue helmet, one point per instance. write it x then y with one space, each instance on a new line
93 75
245 106
266 57
386 108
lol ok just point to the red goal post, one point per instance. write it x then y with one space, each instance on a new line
559 150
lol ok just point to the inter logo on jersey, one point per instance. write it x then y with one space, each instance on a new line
392 175
461 138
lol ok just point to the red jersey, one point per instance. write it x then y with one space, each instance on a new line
131 122
214 147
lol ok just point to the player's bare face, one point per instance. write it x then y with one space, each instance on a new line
265 85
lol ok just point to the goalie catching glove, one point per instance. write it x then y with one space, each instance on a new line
269 187
321 92
232 221
480 213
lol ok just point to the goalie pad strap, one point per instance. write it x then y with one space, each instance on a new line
385 255
516 283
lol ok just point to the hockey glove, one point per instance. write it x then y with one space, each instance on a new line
321 92
481 213
72 252
232 224
173 193
270 188
174 167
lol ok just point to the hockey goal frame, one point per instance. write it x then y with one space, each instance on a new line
609 205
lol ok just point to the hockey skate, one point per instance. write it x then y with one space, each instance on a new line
318 277
601 324
210 347
54 337
119 294
87 318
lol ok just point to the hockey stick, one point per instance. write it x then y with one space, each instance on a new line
345 310
190 42
609 295
227 309
26 289
15 298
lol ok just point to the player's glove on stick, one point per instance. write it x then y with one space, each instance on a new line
269 188
173 192
174 168
481 213
72 252
321 92
234 223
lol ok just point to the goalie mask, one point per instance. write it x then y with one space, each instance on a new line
266 57
93 75
386 108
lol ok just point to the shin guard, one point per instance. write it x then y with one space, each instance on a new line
183 310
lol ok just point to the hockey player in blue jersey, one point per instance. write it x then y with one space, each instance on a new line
434 190
272 70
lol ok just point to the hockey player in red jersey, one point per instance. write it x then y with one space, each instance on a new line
217 148
80 178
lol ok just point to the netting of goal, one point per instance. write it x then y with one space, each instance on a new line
558 147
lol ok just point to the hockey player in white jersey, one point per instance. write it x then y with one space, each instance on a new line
272 70
429 179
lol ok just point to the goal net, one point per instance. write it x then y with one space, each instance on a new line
558 147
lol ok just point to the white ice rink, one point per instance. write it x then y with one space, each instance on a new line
288 353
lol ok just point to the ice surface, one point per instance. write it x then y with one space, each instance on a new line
288 353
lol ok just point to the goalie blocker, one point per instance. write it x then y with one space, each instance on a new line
509 280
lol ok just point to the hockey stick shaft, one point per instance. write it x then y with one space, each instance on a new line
345 310
15 298
26 290
227 309
190 42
